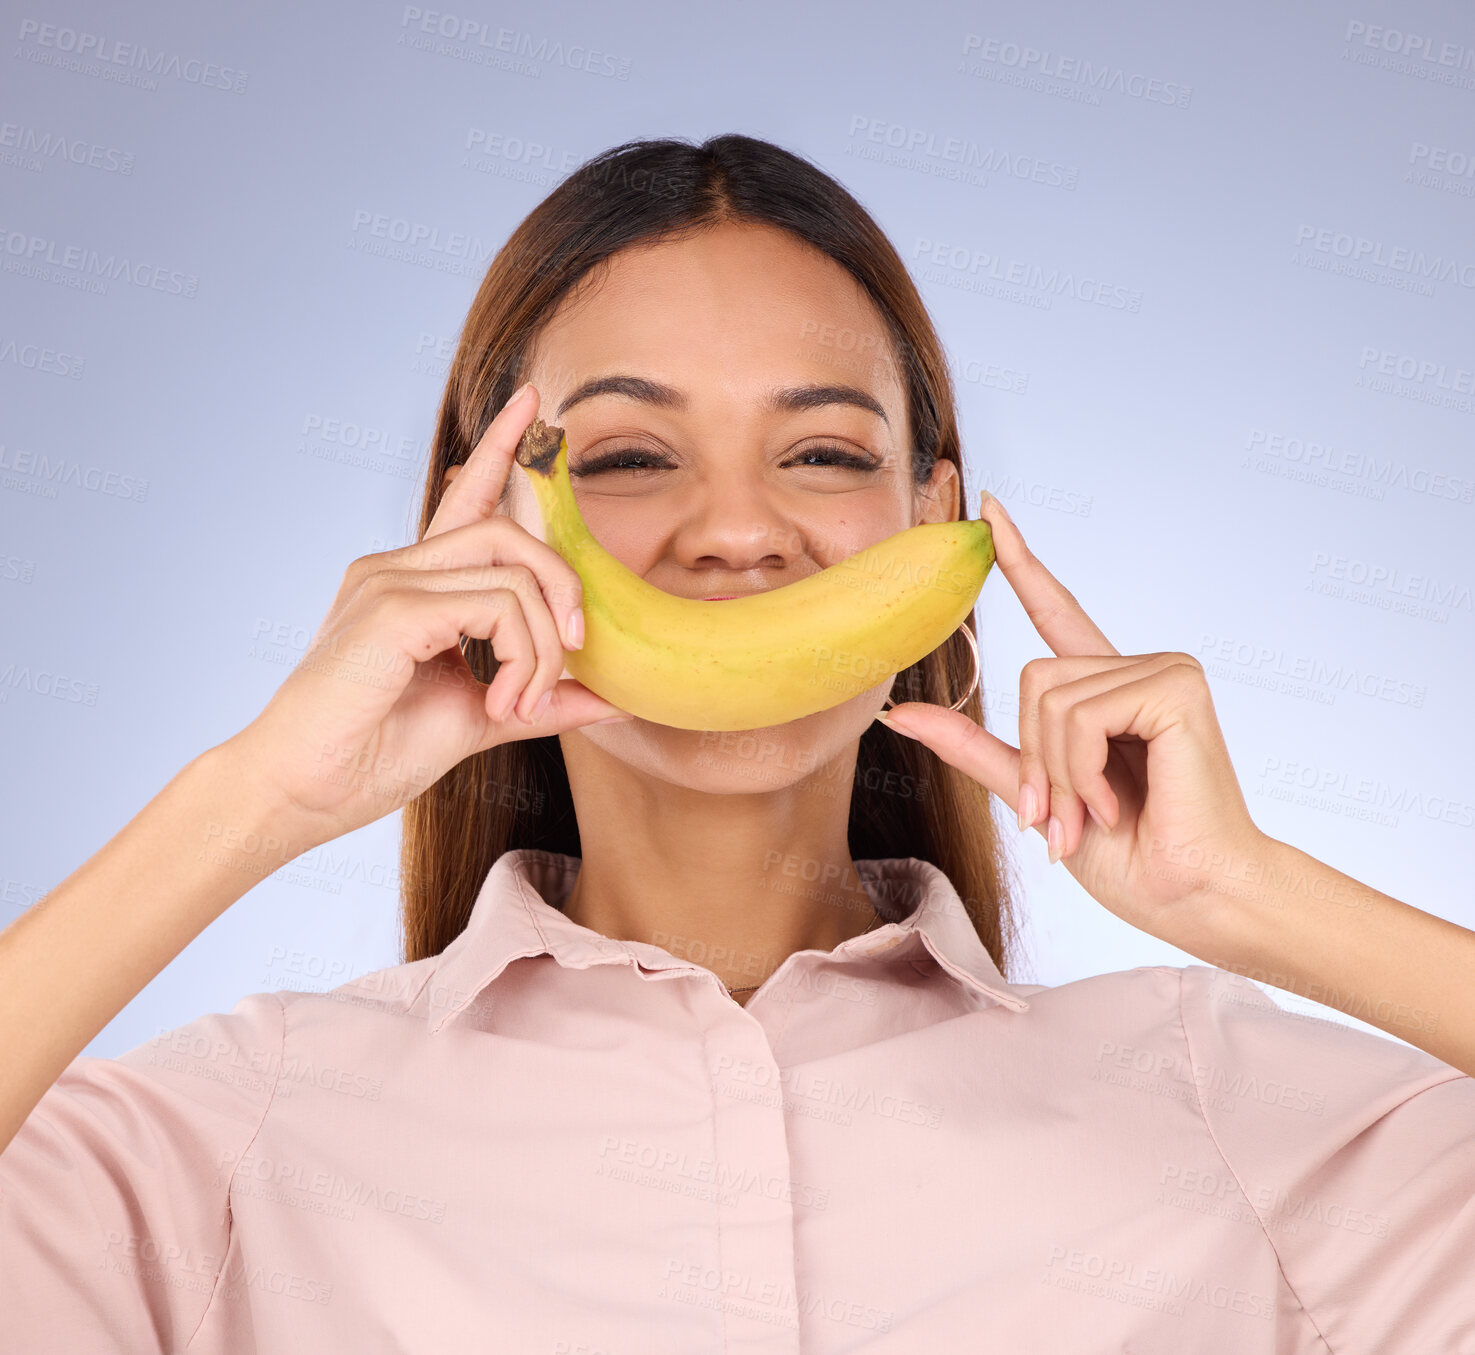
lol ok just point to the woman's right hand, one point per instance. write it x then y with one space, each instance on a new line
383 703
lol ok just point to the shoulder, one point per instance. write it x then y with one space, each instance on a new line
1235 1041
239 1055
1245 1046
1355 1150
369 1000
1217 1006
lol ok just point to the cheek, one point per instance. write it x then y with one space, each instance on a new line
634 532
862 521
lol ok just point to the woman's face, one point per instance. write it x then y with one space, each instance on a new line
718 492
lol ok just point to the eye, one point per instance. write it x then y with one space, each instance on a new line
639 458
621 458
836 456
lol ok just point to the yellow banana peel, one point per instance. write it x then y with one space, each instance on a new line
765 658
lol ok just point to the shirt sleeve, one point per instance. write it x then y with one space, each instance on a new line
1357 1154
114 1214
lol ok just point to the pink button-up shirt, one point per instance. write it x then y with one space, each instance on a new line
547 1141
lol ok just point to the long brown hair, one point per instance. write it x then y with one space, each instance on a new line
905 801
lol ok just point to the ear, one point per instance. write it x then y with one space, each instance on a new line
941 492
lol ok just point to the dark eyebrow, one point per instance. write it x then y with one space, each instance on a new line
787 400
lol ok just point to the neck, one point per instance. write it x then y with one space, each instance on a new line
734 883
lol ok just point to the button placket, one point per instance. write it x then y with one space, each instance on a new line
754 1209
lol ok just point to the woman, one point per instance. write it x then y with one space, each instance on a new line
704 1041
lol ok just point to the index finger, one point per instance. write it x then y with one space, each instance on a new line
476 488
1052 608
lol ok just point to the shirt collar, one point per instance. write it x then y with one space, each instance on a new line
513 917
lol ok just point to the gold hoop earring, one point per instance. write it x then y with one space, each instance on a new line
973 649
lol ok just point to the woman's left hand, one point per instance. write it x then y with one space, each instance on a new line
1131 781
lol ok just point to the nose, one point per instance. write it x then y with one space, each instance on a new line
736 526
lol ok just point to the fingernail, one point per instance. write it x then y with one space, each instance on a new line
1029 807
1055 838
881 716
1097 817
614 719
576 628
542 705
519 393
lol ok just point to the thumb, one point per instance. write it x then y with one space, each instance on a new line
570 706
962 743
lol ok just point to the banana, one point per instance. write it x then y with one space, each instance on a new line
765 658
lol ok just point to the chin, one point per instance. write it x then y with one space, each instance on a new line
735 762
